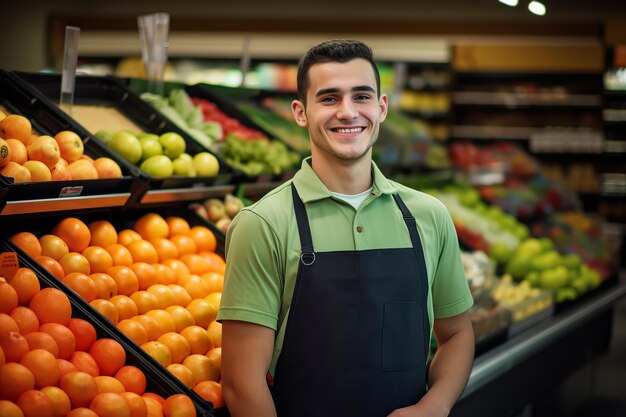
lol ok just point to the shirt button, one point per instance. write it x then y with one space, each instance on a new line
359 229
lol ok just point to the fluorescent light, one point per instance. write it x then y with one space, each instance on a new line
536 7
511 3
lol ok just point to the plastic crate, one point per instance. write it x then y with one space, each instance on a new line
49 120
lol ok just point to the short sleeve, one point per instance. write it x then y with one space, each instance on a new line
253 279
450 291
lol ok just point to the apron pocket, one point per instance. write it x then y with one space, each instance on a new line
402 338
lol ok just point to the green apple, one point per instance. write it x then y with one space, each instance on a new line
127 145
158 166
186 156
173 144
147 136
104 135
150 147
206 164
184 167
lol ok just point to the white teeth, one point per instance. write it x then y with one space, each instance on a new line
352 130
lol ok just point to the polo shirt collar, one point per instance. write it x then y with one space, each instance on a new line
311 188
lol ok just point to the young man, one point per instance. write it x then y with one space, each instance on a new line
336 279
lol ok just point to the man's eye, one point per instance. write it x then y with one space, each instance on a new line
362 97
328 99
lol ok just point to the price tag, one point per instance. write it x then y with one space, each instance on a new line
8 264
71 191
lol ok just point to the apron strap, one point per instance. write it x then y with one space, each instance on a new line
306 241
415 239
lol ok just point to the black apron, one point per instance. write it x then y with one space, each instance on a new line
357 336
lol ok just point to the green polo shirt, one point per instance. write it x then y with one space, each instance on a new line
263 247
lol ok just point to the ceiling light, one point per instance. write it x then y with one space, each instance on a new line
537 8
511 3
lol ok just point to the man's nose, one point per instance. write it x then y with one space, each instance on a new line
347 110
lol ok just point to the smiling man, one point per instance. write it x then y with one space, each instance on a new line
336 279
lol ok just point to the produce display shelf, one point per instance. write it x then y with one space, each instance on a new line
519 371
185 194
510 99
111 92
15 207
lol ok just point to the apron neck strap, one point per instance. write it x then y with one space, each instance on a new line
306 241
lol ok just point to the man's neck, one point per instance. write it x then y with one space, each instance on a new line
349 178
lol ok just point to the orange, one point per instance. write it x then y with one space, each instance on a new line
109 384
105 285
8 297
124 237
196 263
177 225
145 301
126 280
201 368
146 274
106 308
84 362
181 270
134 330
82 285
165 248
205 239
163 293
27 242
52 265
181 296
202 311
80 387
15 378
8 324
214 298
151 326
84 332
42 340
136 404
19 153
61 404
9 408
110 404
65 367
26 285
159 352
109 354
215 355
99 259
215 260
53 246
73 232
51 306
126 307
179 405
183 373
75 262
211 391
214 280
103 233
215 331
3 360
151 225
181 316
177 344
43 366
154 407
66 341
165 275
120 254
132 378
184 243
143 251
14 346
155 397
18 127
35 403
196 287
163 319
81 412
199 340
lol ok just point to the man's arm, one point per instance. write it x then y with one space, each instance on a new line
449 369
246 355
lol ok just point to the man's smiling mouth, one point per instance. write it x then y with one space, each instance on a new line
348 130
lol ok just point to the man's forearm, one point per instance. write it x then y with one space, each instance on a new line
248 399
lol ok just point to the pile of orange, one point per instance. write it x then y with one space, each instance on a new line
26 156
160 283
53 364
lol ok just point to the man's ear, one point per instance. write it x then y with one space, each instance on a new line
299 113
384 106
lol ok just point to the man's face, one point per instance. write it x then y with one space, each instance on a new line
343 112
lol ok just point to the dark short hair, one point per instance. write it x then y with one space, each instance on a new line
336 50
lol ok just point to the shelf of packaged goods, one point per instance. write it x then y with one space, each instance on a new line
614 116
172 195
491 132
63 204
520 370
510 99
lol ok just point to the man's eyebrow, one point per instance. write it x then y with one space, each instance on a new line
353 89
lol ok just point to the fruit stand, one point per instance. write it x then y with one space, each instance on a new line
542 308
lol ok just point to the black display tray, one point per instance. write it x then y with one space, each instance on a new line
59 195
112 92
122 219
